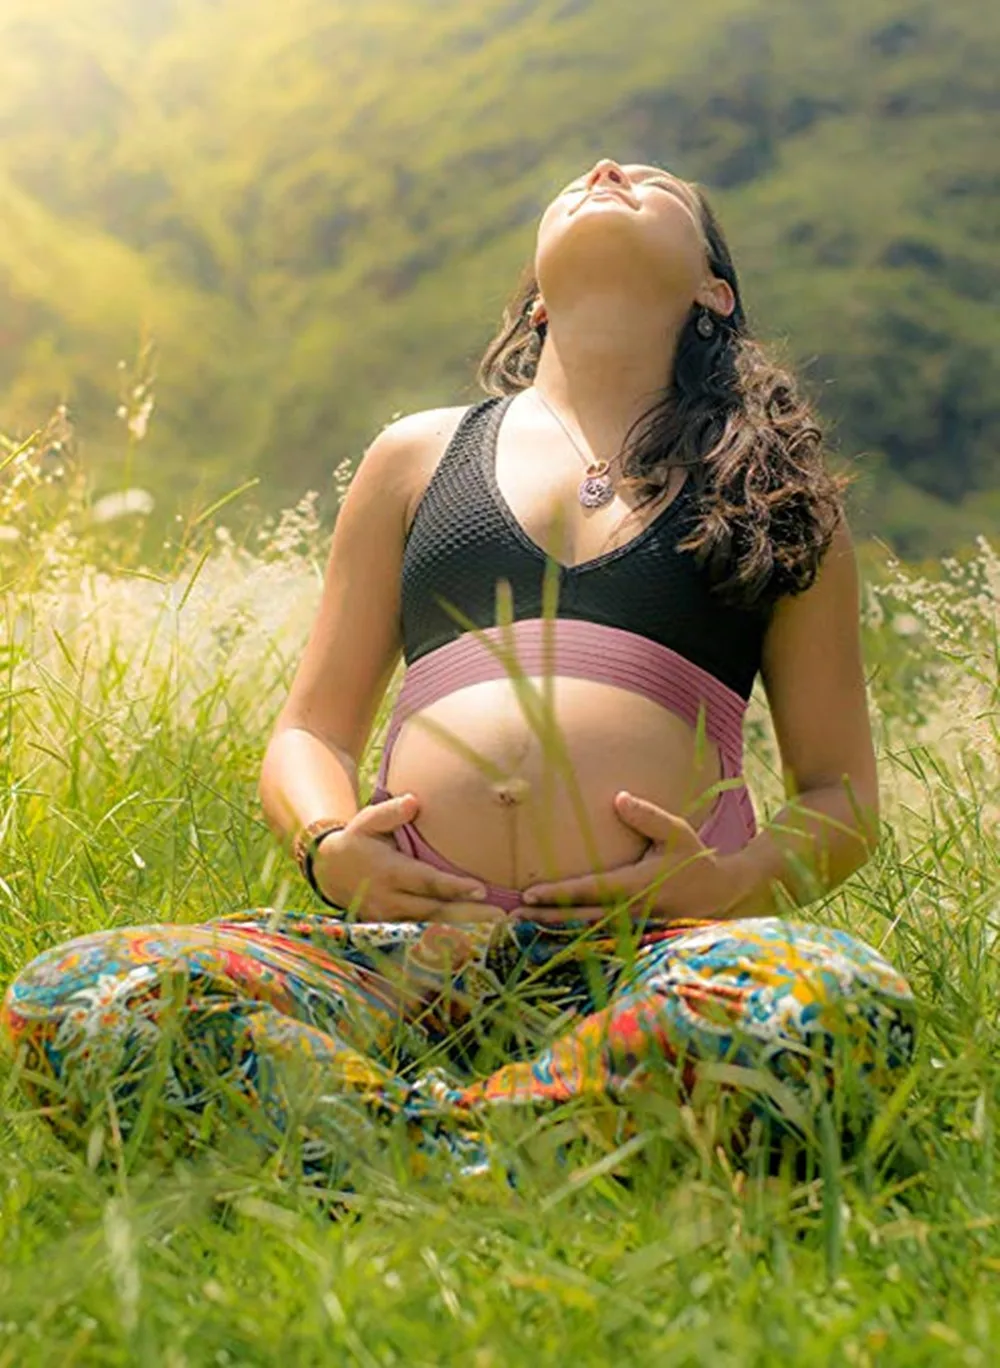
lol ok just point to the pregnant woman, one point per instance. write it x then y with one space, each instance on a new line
557 890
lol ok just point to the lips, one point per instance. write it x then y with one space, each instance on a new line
604 192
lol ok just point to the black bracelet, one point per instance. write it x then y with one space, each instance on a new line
307 843
310 874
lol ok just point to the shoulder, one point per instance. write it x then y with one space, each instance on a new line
416 433
414 430
402 458
409 448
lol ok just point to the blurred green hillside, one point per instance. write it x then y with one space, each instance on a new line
317 208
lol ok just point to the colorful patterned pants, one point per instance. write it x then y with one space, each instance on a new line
305 1024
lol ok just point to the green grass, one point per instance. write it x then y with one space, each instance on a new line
134 714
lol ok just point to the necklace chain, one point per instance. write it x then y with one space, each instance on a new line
594 467
596 488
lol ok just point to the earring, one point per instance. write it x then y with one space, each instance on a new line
705 325
535 320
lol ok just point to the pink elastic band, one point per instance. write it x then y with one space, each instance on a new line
608 655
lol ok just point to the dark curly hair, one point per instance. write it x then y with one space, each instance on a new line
767 505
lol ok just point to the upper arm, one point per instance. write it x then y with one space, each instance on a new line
355 639
814 680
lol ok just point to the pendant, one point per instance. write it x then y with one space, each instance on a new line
596 488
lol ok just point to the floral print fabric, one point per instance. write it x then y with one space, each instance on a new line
337 1030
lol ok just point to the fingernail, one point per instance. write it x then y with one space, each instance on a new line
479 894
529 898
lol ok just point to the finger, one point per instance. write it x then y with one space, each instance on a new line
646 818
587 888
408 907
439 884
414 875
376 819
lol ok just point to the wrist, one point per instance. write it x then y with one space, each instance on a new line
306 847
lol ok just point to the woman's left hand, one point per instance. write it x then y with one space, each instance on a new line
679 877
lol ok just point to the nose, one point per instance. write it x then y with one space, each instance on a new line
607 170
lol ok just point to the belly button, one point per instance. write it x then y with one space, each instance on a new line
512 792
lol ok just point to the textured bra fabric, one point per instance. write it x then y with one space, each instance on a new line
465 539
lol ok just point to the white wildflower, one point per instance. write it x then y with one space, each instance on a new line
138 422
124 503
343 473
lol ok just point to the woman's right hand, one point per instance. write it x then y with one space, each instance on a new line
362 869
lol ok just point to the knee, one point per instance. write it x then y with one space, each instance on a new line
774 977
79 981
830 991
773 950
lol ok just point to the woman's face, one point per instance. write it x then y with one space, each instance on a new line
624 222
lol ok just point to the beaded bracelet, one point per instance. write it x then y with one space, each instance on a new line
306 844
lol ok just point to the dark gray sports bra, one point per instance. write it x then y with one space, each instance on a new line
464 539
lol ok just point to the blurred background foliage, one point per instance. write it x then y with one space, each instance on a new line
317 208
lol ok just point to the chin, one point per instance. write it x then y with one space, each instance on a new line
609 238
589 256
586 233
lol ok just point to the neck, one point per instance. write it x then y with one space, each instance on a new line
604 364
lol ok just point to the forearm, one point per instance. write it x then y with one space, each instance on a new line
811 846
304 778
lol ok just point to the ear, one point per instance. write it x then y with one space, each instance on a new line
717 294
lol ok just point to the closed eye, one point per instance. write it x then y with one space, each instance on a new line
671 188
677 190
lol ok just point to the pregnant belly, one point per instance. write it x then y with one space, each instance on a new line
514 796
